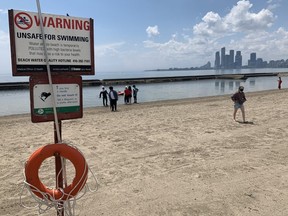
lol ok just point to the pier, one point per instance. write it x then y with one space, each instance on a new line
127 81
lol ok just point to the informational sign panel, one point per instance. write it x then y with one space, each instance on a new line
69 41
68 98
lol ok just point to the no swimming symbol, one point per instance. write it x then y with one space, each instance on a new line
23 20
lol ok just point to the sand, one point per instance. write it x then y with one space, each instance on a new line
181 157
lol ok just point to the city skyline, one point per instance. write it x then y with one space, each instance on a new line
231 61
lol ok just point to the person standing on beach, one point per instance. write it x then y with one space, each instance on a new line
239 99
127 95
104 95
113 97
130 94
135 91
279 83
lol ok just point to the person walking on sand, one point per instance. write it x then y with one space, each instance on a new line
113 97
104 95
135 92
239 99
279 83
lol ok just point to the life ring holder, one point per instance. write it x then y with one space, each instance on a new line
66 151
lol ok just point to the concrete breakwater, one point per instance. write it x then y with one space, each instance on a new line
128 81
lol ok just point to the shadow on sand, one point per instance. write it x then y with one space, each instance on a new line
246 122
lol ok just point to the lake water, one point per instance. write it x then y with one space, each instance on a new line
139 74
18 101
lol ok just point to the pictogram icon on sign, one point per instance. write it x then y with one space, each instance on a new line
23 20
44 95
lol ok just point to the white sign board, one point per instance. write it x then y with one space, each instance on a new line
67 98
69 42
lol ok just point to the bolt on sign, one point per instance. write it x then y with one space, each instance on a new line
69 42
68 98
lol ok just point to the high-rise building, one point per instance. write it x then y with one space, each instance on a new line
217 60
231 59
223 57
226 61
238 59
259 63
253 57
252 60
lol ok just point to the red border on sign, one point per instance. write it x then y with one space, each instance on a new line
36 80
23 20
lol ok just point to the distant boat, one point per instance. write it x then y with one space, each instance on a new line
120 92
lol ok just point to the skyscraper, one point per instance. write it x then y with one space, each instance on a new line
238 59
231 59
252 60
217 60
223 57
226 61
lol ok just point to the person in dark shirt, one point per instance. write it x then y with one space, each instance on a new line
135 92
239 99
104 95
279 83
113 97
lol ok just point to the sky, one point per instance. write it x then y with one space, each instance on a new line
136 35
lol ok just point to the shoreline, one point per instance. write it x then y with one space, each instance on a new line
162 102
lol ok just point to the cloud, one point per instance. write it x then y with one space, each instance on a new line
191 52
266 42
152 31
3 11
4 38
108 49
273 4
239 19
239 29
4 52
212 24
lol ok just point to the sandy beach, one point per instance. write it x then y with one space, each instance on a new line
180 157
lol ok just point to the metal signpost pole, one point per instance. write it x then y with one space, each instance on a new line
58 169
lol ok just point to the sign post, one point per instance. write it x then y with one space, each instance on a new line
58 167
61 47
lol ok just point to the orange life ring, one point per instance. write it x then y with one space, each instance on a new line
34 162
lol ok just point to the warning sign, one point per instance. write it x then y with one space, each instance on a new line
68 98
69 42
